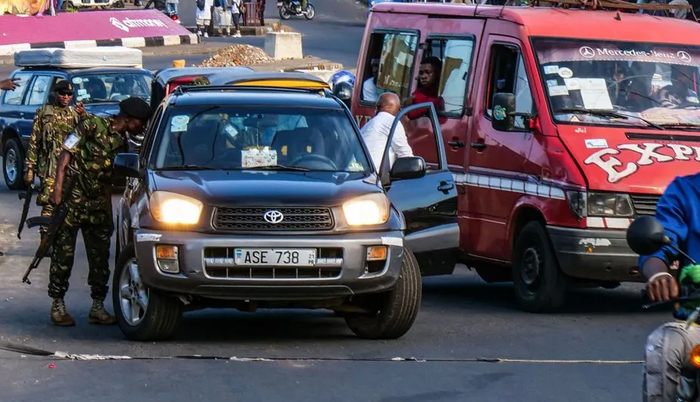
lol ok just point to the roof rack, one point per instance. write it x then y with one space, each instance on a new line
208 88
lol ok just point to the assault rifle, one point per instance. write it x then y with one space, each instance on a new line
27 197
53 223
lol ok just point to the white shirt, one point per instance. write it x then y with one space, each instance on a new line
369 90
375 134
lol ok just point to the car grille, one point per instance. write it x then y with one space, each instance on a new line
219 264
644 204
299 219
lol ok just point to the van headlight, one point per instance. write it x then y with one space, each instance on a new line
370 209
175 208
610 205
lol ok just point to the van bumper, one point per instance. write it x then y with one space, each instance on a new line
595 254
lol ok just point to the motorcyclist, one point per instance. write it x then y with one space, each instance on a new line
668 347
343 84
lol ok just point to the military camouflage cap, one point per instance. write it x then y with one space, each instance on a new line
136 107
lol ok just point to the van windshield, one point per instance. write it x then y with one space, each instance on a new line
621 83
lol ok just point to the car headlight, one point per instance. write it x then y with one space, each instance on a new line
175 208
609 204
370 209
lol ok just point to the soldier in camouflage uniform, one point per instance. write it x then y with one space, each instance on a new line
90 150
52 124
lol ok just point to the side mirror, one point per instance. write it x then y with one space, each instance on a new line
127 165
646 235
503 116
411 167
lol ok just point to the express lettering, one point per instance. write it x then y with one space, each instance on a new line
648 153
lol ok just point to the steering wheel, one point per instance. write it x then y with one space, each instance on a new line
314 158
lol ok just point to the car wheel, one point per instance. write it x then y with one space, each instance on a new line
539 283
13 162
143 314
396 310
310 12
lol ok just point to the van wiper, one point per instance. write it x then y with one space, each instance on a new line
189 167
681 125
606 113
277 167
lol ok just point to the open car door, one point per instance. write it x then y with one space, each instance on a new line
427 198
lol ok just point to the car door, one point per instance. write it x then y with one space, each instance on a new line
36 98
428 203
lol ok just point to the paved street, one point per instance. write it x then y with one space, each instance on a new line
314 356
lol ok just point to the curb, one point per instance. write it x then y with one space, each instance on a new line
138 42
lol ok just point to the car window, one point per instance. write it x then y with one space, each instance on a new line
15 97
388 65
240 137
456 56
507 74
39 91
112 87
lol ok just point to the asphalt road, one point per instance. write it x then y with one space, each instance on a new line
588 352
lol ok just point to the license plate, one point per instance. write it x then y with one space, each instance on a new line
275 257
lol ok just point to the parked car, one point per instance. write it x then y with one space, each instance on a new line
558 133
100 89
257 196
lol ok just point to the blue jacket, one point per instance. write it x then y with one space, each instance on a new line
678 210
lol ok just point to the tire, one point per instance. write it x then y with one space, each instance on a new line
311 12
540 285
13 165
284 14
162 313
398 308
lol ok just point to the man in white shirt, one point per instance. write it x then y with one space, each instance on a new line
370 92
376 132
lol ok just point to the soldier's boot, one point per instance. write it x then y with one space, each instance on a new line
59 315
98 314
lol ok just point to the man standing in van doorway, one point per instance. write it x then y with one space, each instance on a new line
668 347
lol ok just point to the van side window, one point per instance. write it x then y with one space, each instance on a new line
388 65
456 57
507 74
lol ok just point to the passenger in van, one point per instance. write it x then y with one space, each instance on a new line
370 92
681 92
428 85
376 132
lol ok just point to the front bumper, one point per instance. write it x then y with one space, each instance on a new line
202 274
595 254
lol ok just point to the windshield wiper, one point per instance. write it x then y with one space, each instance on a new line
681 125
277 167
607 113
189 167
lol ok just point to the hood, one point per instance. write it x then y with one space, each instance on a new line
103 109
632 160
268 188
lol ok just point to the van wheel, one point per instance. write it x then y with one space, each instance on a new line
396 310
540 285
12 165
143 314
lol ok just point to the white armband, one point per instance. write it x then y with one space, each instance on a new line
658 274
71 142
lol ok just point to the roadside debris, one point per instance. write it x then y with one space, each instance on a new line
237 55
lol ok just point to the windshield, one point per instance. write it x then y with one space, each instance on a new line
112 87
259 137
642 84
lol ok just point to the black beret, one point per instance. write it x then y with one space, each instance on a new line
136 107
63 85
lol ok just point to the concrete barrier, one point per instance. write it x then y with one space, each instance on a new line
283 45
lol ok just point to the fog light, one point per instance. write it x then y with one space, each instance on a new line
167 258
695 356
376 253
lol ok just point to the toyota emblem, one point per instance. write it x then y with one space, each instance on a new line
273 216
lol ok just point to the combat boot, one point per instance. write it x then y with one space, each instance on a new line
59 315
98 314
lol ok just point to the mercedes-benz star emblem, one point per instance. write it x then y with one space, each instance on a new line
273 216
587 52
683 56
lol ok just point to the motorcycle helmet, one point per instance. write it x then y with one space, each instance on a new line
343 91
342 76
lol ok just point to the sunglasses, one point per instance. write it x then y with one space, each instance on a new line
65 93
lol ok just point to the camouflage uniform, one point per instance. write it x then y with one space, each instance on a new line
93 147
52 124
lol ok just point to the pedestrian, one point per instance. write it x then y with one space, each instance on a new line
172 7
90 150
52 124
237 10
203 16
376 132
222 17
9 84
